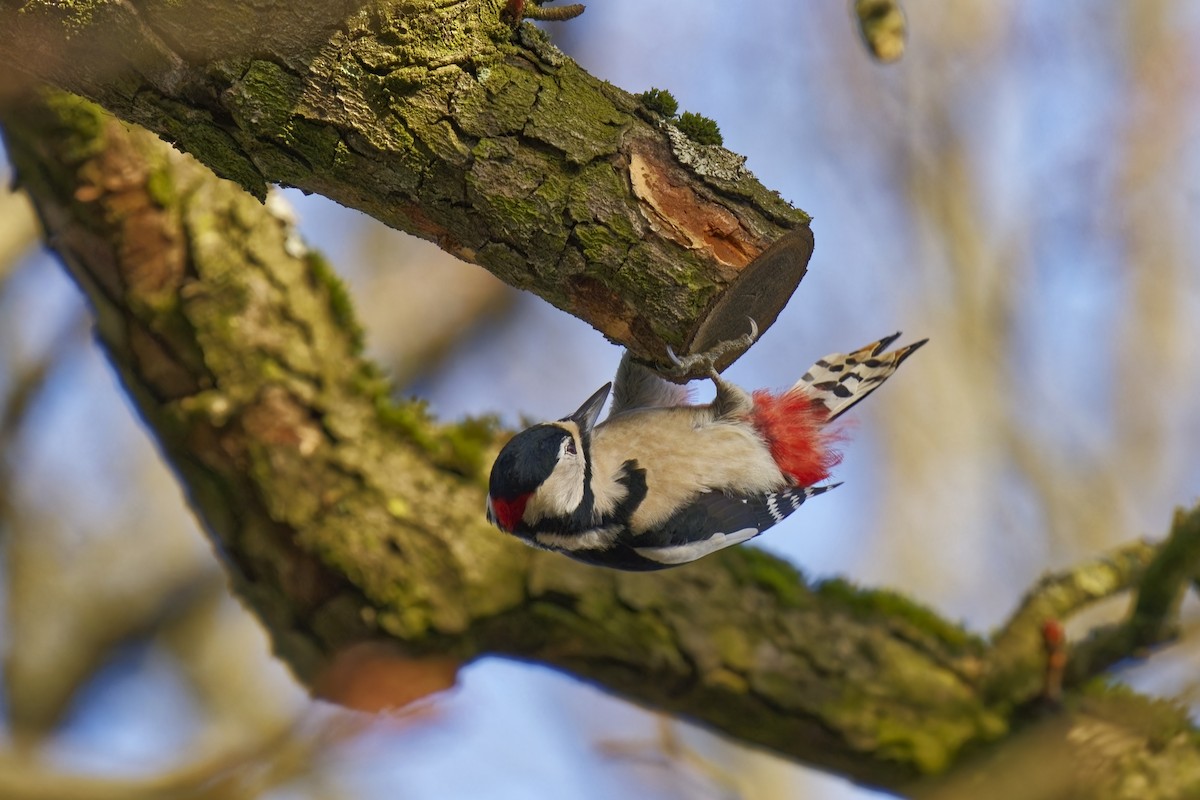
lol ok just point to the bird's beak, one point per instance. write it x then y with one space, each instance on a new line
589 412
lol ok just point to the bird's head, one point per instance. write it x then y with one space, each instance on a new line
543 470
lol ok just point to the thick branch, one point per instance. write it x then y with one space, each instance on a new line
439 120
345 518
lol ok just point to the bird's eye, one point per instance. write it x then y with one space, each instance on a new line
571 446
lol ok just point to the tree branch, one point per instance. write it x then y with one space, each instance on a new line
437 119
346 518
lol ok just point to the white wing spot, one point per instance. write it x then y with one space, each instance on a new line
683 553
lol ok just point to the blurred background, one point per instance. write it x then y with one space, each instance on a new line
1022 188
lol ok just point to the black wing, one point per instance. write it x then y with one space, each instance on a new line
716 520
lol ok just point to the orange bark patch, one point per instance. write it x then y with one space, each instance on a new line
375 676
277 419
676 211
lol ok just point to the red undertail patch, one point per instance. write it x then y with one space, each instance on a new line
792 424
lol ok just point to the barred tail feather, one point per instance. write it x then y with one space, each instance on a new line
778 505
840 380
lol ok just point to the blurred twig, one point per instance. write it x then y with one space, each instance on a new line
421 302
1155 613
1159 574
18 228
883 27
24 386
672 756
1018 648
30 378
243 772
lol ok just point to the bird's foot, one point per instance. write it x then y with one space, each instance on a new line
705 363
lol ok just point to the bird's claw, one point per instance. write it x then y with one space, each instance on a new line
706 363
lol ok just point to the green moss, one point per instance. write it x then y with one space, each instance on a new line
575 118
753 567
584 631
519 213
885 709
1159 720
1166 578
700 130
734 648
597 194
506 263
75 14
410 417
405 81
925 749
405 620
161 187
339 298
883 603
443 142
265 96
660 101
688 294
493 149
369 381
83 119
553 192
499 107
600 245
469 442
197 133
461 447
263 99
317 143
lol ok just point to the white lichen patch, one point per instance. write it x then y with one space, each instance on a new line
706 160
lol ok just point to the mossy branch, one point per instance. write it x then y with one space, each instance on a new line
444 121
346 518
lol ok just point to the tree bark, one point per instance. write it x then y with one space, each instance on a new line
345 518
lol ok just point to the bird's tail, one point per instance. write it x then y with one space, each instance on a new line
840 380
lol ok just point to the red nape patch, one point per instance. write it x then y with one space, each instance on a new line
509 512
793 426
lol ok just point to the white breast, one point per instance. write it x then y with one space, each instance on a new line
684 452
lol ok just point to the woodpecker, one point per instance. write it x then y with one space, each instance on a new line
661 481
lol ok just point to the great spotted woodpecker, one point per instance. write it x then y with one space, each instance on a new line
662 482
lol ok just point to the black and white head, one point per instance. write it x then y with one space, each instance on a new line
543 471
